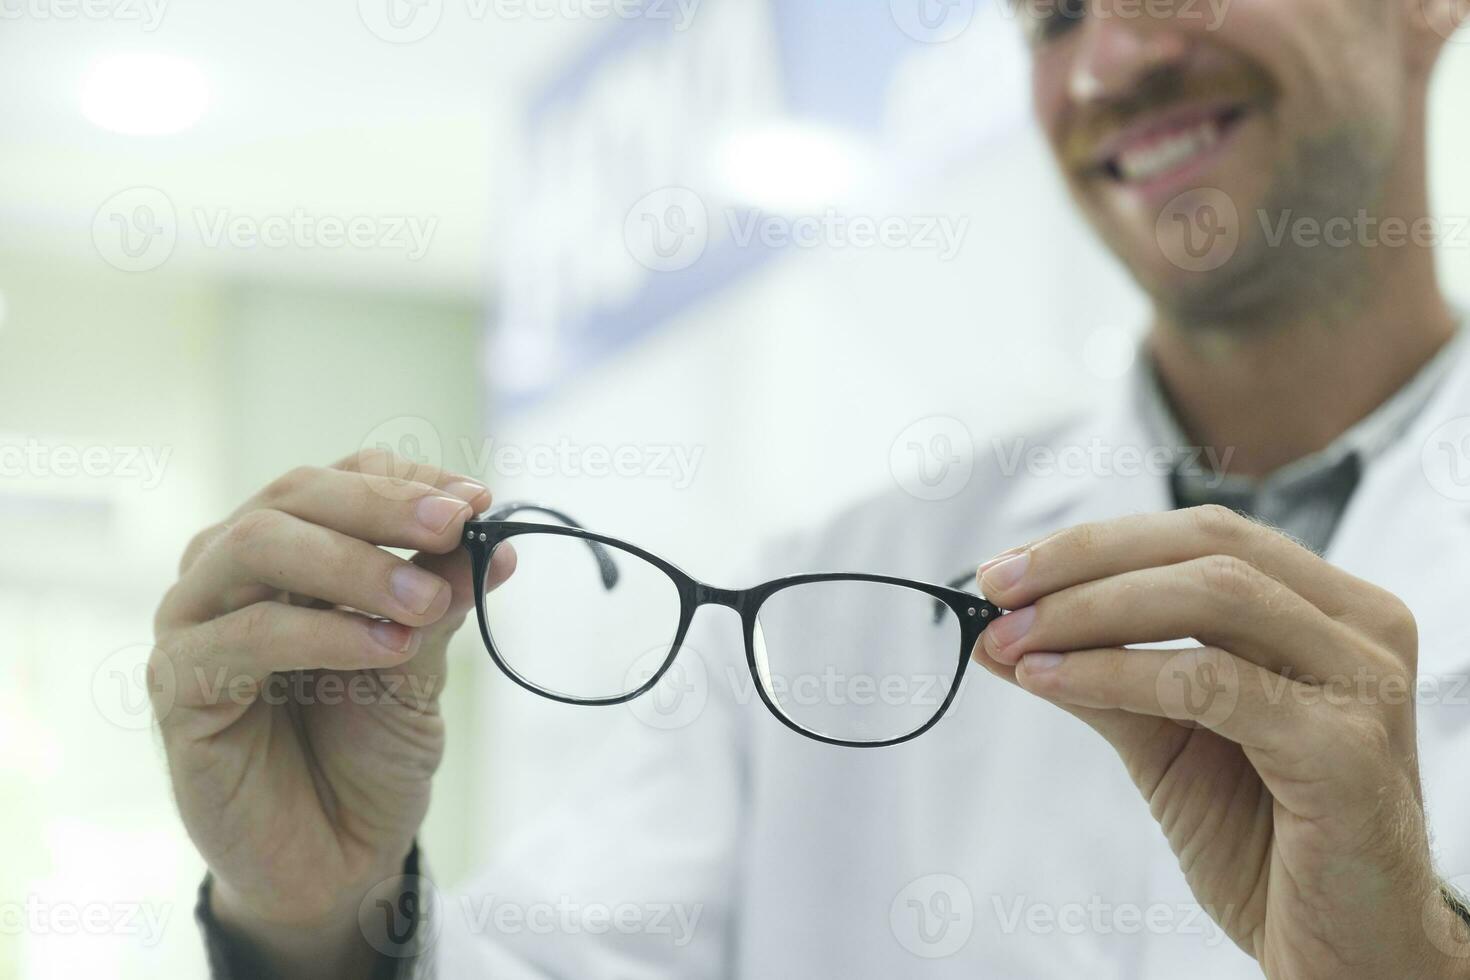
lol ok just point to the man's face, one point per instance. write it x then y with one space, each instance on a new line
1172 118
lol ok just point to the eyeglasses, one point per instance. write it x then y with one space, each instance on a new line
845 658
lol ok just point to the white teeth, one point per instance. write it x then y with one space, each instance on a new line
1166 154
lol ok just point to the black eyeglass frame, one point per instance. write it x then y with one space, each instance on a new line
483 536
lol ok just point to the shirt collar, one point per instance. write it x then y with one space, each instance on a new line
1365 440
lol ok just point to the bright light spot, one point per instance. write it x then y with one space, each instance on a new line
790 167
1109 353
144 94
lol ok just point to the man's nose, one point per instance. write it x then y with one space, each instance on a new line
1120 46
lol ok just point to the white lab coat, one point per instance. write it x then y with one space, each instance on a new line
1007 842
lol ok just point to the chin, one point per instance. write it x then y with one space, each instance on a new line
1251 290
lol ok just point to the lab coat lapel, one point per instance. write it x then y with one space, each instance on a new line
1407 528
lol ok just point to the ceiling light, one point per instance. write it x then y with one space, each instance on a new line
790 166
144 94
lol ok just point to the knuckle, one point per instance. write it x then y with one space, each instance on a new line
1397 623
290 483
1079 538
322 632
1370 734
1074 605
1218 523
1228 576
198 545
253 529
255 625
385 463
159 660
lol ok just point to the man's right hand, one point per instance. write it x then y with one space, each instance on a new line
302 725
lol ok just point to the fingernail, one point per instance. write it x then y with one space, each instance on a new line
1010 628
991 562
1035 663
466 490
415 589
436 513
1004 573
393 636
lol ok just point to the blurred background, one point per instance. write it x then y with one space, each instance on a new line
698 271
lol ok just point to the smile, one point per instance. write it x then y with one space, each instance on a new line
1161 152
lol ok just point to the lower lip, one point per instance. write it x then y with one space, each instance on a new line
1186 176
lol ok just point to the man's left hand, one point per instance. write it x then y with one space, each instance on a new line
1278 755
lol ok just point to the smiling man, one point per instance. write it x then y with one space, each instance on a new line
1275 652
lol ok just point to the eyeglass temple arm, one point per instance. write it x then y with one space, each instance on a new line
605 562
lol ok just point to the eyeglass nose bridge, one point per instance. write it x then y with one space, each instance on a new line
709 595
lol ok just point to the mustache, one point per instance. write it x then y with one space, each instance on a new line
1162 89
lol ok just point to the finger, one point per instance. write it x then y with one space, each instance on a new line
393 467
269 551
418 681
455 568
376 509
1122 729
1205 686
268 637
1218 601
379 509
1093 551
